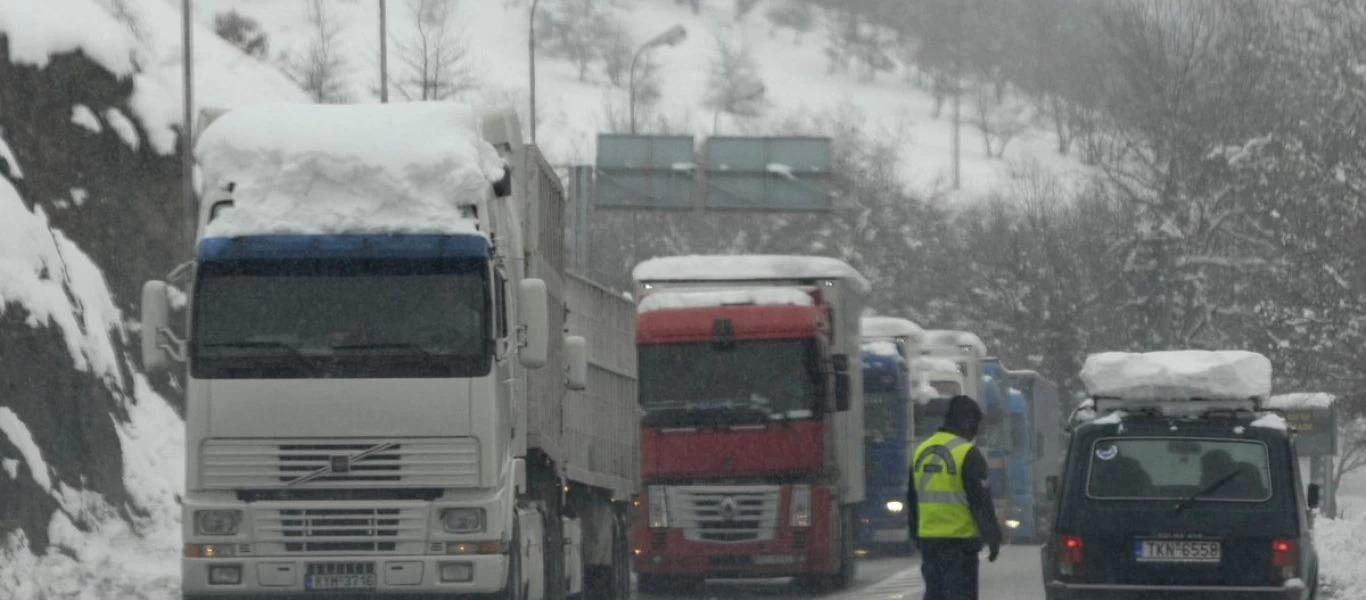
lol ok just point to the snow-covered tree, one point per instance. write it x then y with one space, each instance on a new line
734 84
433 56
242 31
322 68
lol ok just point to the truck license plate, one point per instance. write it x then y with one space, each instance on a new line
340 582
1177 551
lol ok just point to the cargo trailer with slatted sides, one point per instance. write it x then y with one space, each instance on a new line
393 384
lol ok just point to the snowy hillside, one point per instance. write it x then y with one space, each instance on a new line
571 112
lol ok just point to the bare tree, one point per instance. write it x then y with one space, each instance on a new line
796 15
322 69
734 84
434 61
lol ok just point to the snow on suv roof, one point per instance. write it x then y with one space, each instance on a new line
740 267
1177 375
1301 400
889 327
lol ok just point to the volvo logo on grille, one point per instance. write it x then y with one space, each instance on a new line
728 509
340 463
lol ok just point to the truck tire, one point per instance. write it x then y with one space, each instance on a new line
848 569
612 582
513 589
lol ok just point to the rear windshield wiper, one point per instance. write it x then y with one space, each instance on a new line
1213 486
290 349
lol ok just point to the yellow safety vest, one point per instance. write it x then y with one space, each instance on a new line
937 474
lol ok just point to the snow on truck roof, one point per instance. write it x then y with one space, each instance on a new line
746 267
674 299
359 168
949 337
1178 375
889 327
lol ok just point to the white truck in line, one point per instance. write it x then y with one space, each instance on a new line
384 401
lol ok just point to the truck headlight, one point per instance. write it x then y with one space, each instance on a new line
217 522
895 506
659 507
1012 523
462 520
800 513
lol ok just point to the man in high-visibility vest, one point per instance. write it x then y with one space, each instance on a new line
950 505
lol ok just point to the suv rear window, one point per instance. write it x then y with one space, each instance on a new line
1125 468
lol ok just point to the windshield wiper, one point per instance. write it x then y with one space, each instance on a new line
388 345
1213 486
290 349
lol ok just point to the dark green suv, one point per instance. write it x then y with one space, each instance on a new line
1208 506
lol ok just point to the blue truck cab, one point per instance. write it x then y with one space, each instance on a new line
887 439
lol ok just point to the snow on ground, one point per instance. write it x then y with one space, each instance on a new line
1172 374
1342 552
325 169
47 275
114 559
83 116
142 39
571 112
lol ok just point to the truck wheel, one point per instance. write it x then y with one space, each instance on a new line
612 582
514 590
848 569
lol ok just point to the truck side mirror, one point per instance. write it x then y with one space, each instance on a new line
1314 493
840 362
533 307
159 345
841 392
1051 482
576 357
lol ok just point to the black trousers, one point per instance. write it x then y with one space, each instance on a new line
949 567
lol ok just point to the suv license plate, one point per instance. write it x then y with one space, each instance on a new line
340 582
1177 551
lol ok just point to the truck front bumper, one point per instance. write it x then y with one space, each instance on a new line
1058 590
775 558
399 576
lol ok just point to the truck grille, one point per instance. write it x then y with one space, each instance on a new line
725 514
350 464
340 529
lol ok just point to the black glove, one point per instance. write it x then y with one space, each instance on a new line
993 550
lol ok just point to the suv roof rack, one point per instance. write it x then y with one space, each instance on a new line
1178 407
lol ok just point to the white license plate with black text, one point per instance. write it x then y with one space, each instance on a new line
1178 551
357 581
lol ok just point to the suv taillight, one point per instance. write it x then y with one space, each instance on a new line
1069 554
1284 560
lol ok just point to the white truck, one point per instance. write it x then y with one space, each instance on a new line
389 389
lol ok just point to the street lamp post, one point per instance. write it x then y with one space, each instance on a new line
672 37
187 126
531 50
383 52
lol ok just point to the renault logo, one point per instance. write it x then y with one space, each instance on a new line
728 509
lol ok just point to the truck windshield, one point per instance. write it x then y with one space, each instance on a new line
762 379
1179 468
883 414
282 319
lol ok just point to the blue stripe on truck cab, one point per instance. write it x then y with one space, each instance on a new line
343 246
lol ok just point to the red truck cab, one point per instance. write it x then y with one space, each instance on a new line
744 395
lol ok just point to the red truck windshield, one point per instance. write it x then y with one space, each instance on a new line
773 379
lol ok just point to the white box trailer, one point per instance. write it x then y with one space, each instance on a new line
499 463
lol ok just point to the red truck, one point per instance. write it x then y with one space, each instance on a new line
752 419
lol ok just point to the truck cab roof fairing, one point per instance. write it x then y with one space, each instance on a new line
343 246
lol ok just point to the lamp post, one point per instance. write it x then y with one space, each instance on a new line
383 52
672 37
187 126
531 51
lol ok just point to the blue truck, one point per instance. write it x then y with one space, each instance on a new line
995 439
887 431
1038 439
